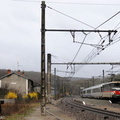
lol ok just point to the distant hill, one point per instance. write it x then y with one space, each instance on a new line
36 76
79 78
3 72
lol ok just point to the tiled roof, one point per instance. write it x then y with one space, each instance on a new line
15 74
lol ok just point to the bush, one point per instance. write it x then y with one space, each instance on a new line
11 95
31 96
25 96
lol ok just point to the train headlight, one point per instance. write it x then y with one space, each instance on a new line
113 92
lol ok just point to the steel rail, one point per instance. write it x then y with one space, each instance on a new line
77 105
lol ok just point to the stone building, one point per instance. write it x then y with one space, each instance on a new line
16 81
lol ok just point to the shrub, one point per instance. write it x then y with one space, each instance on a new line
11 95
25 96
31 96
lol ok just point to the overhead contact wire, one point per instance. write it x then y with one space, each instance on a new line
71 17
86 25
95 29
108 19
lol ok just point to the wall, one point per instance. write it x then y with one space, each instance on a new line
14 82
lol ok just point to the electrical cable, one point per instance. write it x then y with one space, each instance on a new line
58 58
91 56
116 26
99 34
108 20
84 24
108 45
101 25
70 17
88 33
93 45
26 1
66 71
79 49
83 3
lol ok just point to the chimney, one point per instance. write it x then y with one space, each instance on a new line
18 72
23 73
8 71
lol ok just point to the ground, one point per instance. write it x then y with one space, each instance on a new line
52 113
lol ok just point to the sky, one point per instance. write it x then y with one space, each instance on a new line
20 38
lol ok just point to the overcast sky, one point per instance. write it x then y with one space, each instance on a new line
20 37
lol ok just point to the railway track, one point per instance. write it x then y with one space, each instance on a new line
79 106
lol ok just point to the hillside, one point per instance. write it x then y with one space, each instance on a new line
2 72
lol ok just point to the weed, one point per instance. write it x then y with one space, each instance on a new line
17 111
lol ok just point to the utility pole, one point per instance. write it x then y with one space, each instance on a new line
58 87
93 81
103 76
43 83
55 82
43 30
49 78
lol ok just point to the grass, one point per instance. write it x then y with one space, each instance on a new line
18 111
19 116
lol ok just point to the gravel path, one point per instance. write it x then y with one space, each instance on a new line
36 115
53 113
61 113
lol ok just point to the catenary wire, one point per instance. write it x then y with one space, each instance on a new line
93 54
100 26
108 20
84 24
81 3
95 29
70 17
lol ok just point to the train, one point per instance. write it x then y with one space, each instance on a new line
108 90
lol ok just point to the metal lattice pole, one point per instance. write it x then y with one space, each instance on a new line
49 78
43 83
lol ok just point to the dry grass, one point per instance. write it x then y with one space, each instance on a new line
8 109
18 110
